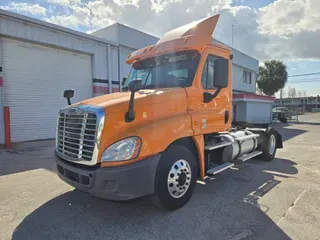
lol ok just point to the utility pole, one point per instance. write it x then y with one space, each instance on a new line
281 103
232 35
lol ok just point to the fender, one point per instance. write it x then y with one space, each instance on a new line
158 125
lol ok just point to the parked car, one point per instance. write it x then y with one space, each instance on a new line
282 114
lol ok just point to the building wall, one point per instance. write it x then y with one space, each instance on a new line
114 71
240 112
298 101
126 36
310 104
125 68
253 112
26 29
259 112
237 80
111 33
241 62
40 33
245 61
129 40
133 38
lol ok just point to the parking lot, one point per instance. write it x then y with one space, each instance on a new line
255 200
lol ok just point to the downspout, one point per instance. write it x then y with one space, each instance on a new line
119 62
119 68
109 69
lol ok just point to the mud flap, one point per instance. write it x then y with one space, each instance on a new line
279 141
262 136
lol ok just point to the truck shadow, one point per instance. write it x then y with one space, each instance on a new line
224 208
27 156
288 133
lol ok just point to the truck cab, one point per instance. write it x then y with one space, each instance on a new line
170 125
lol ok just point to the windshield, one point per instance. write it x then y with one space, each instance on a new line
164 71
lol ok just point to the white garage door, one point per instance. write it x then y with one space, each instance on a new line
34 80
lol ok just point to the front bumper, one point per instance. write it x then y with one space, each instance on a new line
112 183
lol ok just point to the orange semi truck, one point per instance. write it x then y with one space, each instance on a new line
170 126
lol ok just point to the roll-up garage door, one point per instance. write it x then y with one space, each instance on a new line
34 80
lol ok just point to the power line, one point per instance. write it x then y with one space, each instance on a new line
305 81
305 74
298 75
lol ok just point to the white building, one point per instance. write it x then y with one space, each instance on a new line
39 60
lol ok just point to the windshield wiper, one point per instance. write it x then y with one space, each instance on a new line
145 81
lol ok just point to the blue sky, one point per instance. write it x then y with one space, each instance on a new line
265 29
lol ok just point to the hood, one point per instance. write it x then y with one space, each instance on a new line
119 101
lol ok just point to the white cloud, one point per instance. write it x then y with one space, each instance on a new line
285 29
27 8
101 14
64 2
80 17
286 17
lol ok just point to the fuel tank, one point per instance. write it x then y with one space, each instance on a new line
243 142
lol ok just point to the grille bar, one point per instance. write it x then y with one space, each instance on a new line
76 135
74 139
86 145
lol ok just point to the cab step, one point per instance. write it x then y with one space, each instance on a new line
220 168
217 145
249 156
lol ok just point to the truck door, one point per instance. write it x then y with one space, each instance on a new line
215 115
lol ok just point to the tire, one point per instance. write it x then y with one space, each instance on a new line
171 158
284 120
264 145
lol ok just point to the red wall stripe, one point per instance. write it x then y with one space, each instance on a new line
252 96
100 89
104 89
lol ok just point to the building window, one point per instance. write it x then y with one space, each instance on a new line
247 77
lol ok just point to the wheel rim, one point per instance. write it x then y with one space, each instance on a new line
272 144
179 178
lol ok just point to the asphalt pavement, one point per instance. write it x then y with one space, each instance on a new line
254 200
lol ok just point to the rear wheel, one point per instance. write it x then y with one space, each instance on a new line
268 144
175 178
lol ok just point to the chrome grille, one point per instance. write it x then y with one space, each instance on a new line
76 135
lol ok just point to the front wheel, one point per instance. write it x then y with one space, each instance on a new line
175 178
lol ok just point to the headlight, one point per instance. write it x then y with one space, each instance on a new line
123 150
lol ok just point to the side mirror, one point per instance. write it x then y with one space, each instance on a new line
123 81
68 94
134 85
221 73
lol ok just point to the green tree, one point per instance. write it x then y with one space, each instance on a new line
272 77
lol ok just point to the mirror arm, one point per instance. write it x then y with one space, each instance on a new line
129 117
216 93
207 97
69 101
